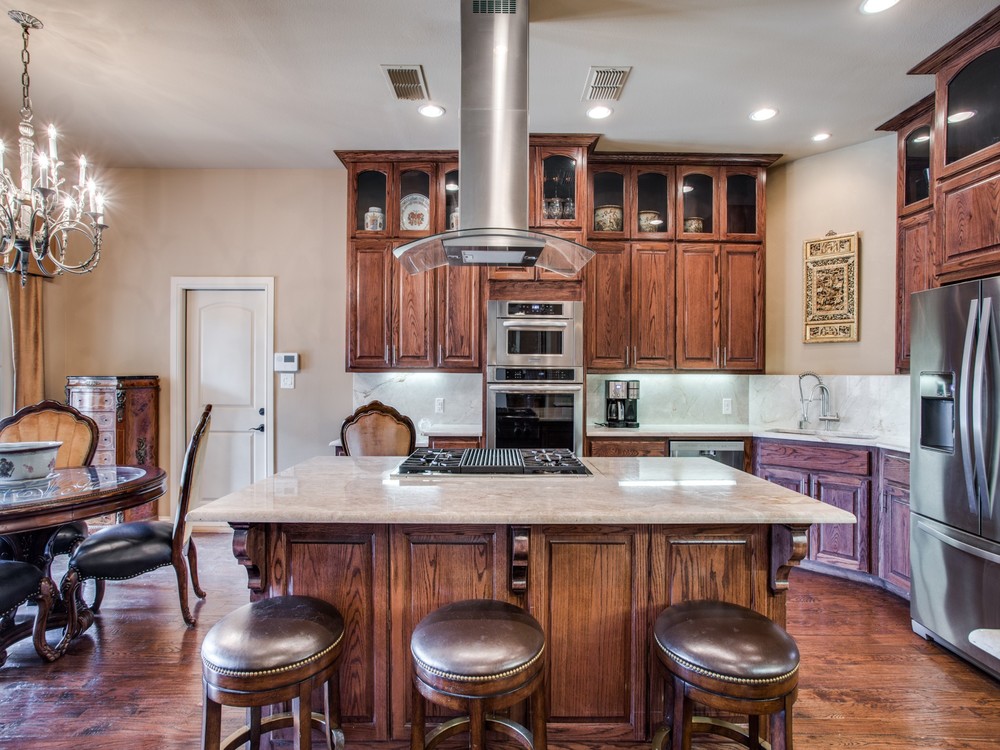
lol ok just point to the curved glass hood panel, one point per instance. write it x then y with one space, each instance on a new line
494 247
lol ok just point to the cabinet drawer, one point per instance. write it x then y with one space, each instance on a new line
106 440
105 420
103 458
637 447
92 401
896 469
840 459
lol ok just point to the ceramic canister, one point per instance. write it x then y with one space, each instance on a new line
649 221
608 218
374 219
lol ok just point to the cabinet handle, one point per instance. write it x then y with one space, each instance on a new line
635 356
724 358
440 355
393 355
385 358
626 357
716 356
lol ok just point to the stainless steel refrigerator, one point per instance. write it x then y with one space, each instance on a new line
954 465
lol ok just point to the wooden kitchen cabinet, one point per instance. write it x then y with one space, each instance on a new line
127 411
454 442
588 587
836 475
914 273
642 193
558 174
720 307
628 318
620 447
892 522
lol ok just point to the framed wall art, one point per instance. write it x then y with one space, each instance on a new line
830 277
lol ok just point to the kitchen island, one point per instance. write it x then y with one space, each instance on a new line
594 558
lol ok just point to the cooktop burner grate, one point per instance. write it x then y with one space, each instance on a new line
492 461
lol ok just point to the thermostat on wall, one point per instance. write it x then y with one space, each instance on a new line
286 362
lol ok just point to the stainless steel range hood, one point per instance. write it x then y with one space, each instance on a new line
493 155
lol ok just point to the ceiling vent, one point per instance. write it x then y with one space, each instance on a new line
406 82
605 84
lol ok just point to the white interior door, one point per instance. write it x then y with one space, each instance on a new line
227 364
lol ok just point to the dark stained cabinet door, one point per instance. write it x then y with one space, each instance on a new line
607 310
914 273
742 310
615 448
413 319
698 293
796 480
652 319
588 587
459 318
892 521
369 305
845 545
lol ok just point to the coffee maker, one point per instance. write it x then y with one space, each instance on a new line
615 398
632 404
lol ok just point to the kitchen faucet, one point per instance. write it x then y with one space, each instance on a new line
824 409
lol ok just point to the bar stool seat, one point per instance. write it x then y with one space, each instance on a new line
478 656
729 658
268 652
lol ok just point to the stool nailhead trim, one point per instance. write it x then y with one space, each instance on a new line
724 677
275 670
123 578
479 678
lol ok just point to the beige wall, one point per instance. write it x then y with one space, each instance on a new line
847 190
288 224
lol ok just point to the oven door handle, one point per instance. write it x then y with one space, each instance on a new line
535 388
535 324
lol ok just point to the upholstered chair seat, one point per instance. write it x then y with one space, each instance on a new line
125 550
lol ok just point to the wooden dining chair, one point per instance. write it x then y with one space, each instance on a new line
127 550
51 420
375 429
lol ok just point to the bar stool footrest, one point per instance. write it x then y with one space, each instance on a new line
282 721
459 724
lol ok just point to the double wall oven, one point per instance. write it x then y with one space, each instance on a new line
534 375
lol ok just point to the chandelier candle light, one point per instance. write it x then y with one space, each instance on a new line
42 216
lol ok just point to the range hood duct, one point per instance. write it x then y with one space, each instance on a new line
493 155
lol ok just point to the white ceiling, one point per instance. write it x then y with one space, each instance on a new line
282 83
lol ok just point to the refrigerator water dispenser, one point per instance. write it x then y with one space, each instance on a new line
937 411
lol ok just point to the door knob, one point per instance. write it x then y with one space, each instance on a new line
258 428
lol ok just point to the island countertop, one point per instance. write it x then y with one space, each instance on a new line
344 490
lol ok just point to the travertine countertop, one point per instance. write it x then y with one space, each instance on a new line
330 489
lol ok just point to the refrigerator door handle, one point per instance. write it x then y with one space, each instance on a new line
964 395
958 543
989 351
979 384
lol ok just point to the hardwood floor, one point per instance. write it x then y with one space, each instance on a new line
134 679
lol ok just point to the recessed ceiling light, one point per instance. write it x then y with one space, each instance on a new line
764 113
921 139
821 137
430 110
962 116
877 6
599 112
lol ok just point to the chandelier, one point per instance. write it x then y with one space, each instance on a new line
44 218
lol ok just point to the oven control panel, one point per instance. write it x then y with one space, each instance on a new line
535 374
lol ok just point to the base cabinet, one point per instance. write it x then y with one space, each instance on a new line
126 409
840 476
595 589
892 521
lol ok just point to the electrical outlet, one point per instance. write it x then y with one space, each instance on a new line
287 380
727 406
439 406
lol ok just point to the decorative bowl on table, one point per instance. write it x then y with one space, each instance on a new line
27 462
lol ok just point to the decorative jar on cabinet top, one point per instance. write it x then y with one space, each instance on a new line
374 219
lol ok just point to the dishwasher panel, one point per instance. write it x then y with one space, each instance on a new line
728 452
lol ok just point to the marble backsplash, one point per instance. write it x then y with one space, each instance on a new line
413 394
864 403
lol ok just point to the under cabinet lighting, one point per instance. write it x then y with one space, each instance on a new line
821 137
921 139
876 6
764 113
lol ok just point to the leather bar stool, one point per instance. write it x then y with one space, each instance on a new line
478 656
728 658
268 652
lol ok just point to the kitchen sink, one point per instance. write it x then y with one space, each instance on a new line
827 434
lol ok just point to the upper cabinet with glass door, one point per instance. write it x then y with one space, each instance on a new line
742 204
370 188
698 203
558 180
633 201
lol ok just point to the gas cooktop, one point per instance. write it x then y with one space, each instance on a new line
492 461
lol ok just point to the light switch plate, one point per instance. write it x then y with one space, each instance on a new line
727 406
287 380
